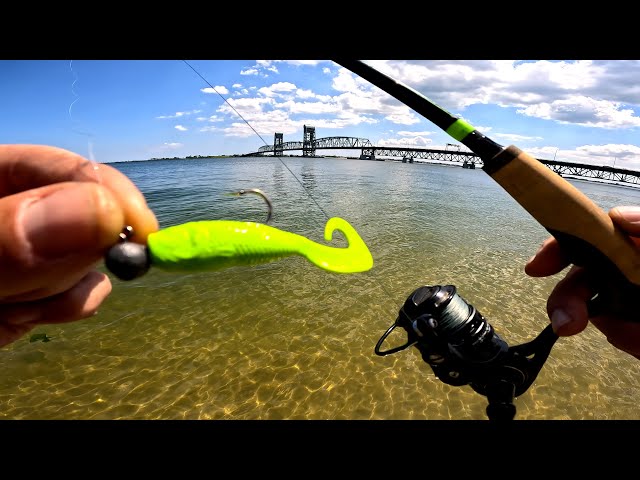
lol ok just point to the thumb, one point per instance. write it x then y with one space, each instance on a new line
53 235
627 218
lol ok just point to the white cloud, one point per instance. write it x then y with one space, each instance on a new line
277 88
405 133
611 151
620 155
344 81
268 65
303 62
406 142
587 111
327 123
181 128
305 94
246 106
265 123
513 138
219 89
308 107
301 93
403 118
180 114
260 68
541 89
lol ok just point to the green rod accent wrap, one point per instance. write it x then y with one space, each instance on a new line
460 129
218 244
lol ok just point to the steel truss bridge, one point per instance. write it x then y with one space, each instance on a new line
309 148
453 155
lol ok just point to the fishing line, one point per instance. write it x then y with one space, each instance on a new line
380 284
91 161
260 137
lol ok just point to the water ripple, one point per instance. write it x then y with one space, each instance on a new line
287 340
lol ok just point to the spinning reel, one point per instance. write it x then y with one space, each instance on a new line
462 348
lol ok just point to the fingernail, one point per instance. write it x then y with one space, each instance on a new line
536 254
630 213
59 223
559 318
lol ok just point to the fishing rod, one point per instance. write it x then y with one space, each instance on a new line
586 234
456 341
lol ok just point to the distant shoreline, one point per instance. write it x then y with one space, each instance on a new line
203 157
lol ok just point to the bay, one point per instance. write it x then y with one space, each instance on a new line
287 340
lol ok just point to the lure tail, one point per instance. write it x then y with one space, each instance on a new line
355 258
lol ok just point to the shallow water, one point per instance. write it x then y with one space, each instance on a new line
287 340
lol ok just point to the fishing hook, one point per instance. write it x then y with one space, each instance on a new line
257 192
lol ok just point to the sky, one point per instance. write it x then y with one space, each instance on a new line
584 111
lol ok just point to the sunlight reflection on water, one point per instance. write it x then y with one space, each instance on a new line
287 340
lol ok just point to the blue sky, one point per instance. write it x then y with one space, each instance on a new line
120 110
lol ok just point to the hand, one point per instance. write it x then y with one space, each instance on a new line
59 214
567 303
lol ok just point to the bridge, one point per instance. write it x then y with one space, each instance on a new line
451 154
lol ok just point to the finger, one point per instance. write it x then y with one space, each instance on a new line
627 218
52 236
623 335
23 167
567 305
136 212
548 260
80 301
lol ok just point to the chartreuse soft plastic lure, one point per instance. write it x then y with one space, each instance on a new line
218 244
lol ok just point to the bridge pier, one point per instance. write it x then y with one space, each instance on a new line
309 142
367 154
278 141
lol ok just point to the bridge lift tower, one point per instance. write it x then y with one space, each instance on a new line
278 140
309 142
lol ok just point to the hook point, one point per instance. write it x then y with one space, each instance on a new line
257 192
